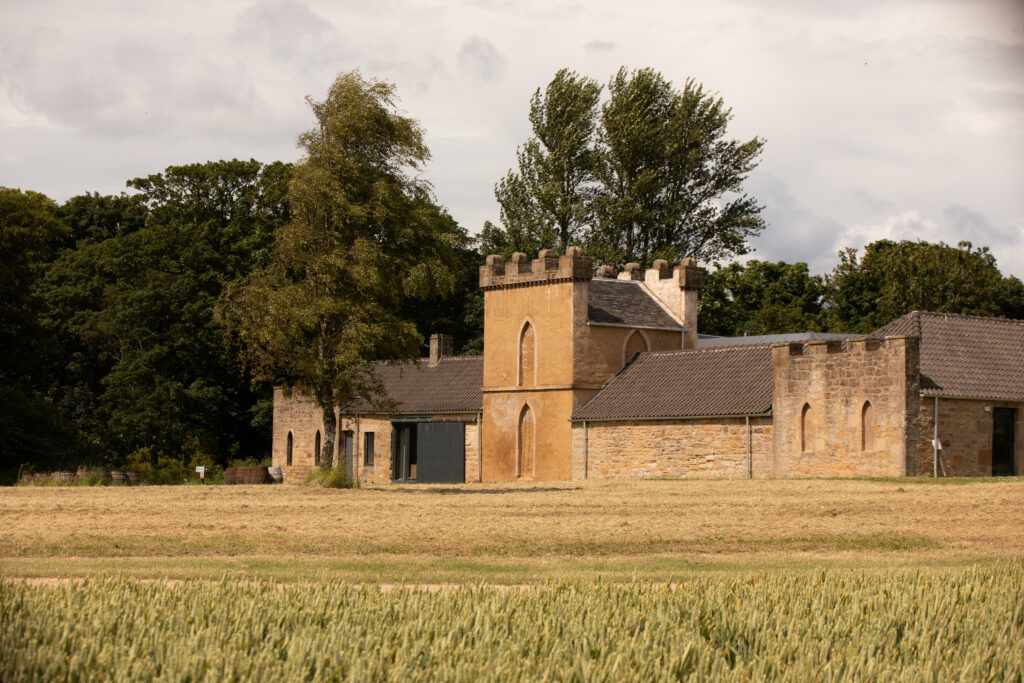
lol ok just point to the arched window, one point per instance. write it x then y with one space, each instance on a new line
316 449
288 450
525 462
527 356
806 429
635 343
867 427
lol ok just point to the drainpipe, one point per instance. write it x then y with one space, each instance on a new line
586 454
935 440
479 447
750 465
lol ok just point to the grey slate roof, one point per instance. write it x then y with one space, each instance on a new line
626 302
726 381
452 386
965 355
716 342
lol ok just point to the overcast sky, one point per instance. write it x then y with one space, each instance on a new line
882 118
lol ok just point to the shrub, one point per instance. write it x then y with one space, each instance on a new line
334 478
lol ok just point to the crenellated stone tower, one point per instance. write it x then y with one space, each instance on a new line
553 334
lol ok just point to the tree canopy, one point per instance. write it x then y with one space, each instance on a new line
365 236
895 278
761 297
647 174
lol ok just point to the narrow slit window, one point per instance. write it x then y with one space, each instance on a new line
316 449
806 429
527 356
867 427
288 450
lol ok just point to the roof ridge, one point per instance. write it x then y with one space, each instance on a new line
967 316
715 349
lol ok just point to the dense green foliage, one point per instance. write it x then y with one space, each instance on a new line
861 294
958 624
761 297
30 236
894 278
649 174
145 369
365 236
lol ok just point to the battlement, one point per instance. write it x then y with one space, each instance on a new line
686 276
546 268
854 345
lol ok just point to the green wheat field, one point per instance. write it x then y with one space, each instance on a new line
954 624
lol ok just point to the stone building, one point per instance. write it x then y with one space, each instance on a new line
605 376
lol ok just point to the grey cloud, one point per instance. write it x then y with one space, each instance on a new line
599 46
794 233
480 60
288 31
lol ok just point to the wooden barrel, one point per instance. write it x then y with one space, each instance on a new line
118 477
134 478
231 475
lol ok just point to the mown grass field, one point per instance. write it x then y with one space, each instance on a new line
508 534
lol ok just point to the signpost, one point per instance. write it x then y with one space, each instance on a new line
202 473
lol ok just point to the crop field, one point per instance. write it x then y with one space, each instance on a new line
797 580
958 624
653 530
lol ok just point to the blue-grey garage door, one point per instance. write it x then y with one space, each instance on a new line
440 452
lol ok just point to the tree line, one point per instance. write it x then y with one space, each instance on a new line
151 326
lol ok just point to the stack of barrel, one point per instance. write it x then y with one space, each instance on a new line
246 475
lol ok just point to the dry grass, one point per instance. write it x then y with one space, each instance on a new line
654 529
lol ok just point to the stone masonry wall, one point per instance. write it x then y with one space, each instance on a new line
836 379
713 448
301 417
965 431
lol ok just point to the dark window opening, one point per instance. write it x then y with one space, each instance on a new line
1003 441
368 449
288 451
349 447
316 450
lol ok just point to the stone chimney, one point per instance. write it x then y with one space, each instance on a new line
677 289
441 345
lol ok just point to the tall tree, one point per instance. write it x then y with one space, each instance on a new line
365 234
546 203
895 278
671 182
761 297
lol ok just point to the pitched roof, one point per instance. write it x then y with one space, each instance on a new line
626 302
966 355
452 386
727 381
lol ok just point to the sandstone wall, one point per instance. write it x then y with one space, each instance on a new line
713 448
965 431
301 417
836 379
